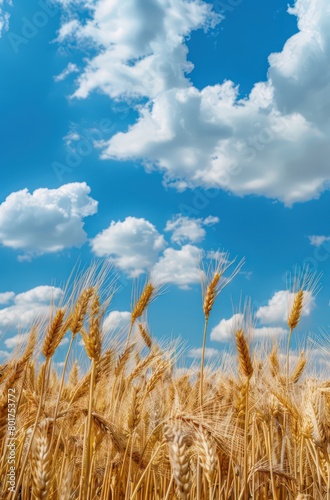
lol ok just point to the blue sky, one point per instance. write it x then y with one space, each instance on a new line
156 130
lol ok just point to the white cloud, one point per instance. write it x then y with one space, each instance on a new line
317 241
145 58
264 144
4 354
27 307
226 329
64 342
71 68
6 297
59 364
210 352
4 16
47 220
179 267
267 331
186 229
133 244
16 340
117 320
278 307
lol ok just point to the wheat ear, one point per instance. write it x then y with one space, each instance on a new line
298 371
143 302
54 335
294 318
208 453
145 335
41 462
80 310
244 358
179 459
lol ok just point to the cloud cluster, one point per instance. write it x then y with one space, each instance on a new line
265 144
227 327
133 244
146 58
6 297
178 267
47 220
117 321
189 230
24 308
136 246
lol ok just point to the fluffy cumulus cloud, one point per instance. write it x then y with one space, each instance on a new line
210 352
227 327
24 308
6 297
269 331
47 220
179 267
189 230
148 56
205 137
279 306
117 321
225 330
271 319
317 241
133 245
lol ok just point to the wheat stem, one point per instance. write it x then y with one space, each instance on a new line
201 389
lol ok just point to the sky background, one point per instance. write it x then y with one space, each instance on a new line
149 132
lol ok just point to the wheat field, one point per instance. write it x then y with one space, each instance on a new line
130 424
